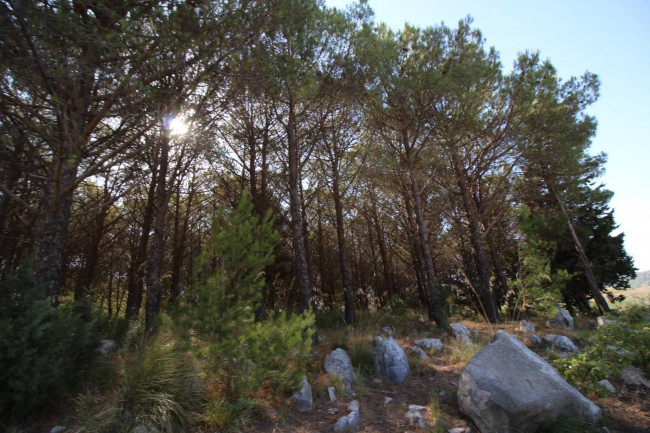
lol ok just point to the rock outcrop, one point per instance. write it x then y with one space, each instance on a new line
506 388
429 344
303 398
350 420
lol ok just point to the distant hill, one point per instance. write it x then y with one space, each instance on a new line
642 280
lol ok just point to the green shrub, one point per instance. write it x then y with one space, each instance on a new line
244 358
43 350
158 388
614 346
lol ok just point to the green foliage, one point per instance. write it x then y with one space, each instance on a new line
614 346
158 389
43 350
362 357
539 287
244 358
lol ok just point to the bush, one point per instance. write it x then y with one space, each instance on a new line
43 350
614 346
157 388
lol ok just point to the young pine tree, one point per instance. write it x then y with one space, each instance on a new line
244 356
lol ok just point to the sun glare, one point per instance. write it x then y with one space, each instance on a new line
178 126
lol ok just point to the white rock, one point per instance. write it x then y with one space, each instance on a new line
416 414
562 343
331 391
460 332
387 400
390 361
634 376
58 429
526 326
507 387
349 421
303 398
338 363
418 352
608 385
562 320
429 343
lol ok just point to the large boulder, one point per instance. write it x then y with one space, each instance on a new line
562 320
508 388
338 363
390 361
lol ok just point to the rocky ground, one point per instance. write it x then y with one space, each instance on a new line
432 384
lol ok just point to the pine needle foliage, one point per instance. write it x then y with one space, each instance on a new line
244 358
44 350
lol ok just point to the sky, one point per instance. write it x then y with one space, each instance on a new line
610 38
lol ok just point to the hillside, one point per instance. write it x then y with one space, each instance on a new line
642 280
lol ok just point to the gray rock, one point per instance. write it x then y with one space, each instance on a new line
338 363
634 376
58 429
460 430
387 400
460 332
350 420
506 387
388 331
620 351
561 343
418 352
535 340
106 347
303 398
416 414
349 390
331 392
390 361
526 326
429 344
607 385
562 320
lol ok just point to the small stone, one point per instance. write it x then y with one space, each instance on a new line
58 429
418 352
607 385
387 400
349 421
561 343
634 376
415 415
303 398
602 321
535 340
460 332
442 393
332 411
429 344
387 330
562 320
452 383
376 381
107 347
331 391
526 326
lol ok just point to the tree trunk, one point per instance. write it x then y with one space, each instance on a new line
156 256
180 239
51 229
295 206
135 284
343 254
601 302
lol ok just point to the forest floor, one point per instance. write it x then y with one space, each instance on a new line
432 384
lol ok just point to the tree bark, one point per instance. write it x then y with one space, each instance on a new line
156 256
295 207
